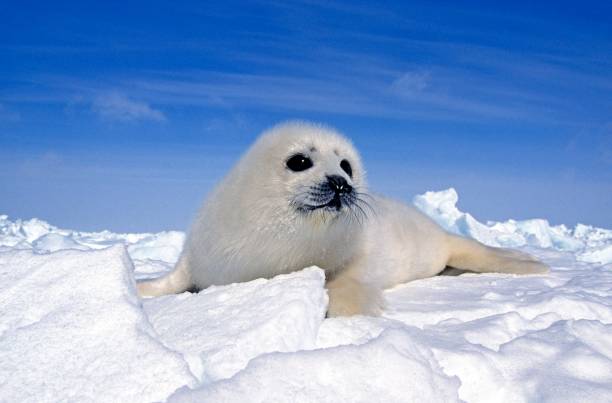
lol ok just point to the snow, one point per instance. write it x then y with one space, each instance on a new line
73 329
284 314
385 369
152 254
589 244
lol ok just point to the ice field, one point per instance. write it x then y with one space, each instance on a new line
73 329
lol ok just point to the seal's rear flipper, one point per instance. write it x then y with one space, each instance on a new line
177 281
467 254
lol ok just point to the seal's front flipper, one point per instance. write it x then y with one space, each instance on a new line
350 296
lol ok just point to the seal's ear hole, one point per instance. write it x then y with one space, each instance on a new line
299 162
346 167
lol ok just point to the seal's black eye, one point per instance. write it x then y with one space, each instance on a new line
299 163
346 166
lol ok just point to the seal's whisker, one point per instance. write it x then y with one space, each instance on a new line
354 216
363 213
366 204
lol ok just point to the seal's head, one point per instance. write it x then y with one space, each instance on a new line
312 170
295 199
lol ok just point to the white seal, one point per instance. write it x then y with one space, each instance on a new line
298 198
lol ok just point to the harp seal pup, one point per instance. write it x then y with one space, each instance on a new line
298 198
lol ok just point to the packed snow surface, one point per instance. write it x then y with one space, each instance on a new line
73 329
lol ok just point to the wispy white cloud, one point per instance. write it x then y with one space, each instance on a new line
422 79
116 106
411 82
419 94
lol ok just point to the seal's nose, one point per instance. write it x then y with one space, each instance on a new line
339 185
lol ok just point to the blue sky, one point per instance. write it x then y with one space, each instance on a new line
123 115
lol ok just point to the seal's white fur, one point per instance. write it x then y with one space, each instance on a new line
250 227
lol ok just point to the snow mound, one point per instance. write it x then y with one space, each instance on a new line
393 367
568 361
72 329
42 237
597 255
152 254
589 243
52 242
222 328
